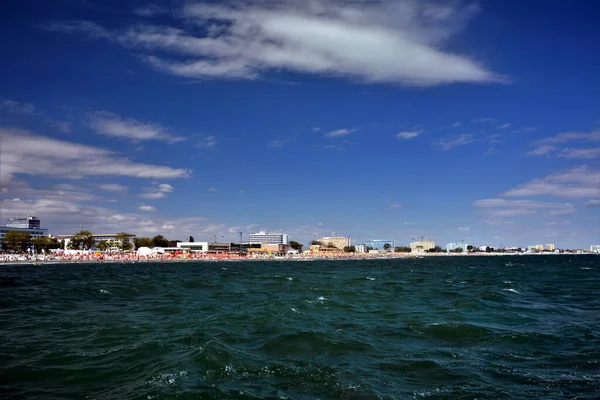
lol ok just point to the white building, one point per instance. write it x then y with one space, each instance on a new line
595 248
194 247
421 246
360 248
268 238
111 238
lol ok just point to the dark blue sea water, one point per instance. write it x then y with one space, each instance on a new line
436 328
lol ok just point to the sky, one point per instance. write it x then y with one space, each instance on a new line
448 120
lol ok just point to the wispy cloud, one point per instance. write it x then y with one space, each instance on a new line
340 132
212 189
592 203
112 187
393 204
499 208
586 153
457 124
408 134
207 142
577 182
456 141
150 10
463 228
160 191
398 41
23 152
16 107
279 142
504 126
549 145
147 208
482 120
542 150
109 124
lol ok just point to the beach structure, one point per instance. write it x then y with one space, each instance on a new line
380 244
421 246
268 238
111 238
360 248
455 246
217 247
595 248
337 242
29 224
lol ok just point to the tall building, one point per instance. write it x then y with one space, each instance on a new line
595 248
28 222
268 238
360 248
379 244
550 247
422 245
338 242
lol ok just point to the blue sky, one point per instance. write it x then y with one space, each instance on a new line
475 121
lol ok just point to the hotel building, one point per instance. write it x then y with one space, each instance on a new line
268 238
379 244
338 242
29 224
421 245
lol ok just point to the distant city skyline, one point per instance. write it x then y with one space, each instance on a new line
474 122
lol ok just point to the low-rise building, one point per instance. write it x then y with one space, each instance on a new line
360 248
421 246
338 242
595 248
380 244
110 238
452 247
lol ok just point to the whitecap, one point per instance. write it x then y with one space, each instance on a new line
585 268
290 279
104 291
512 290
371 279
294 310
321 298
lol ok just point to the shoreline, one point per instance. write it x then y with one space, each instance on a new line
140 260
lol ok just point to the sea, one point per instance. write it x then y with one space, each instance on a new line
506 327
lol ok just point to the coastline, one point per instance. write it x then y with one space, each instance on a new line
168 259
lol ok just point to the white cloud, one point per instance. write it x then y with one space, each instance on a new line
109 124
23 152
16 107
146 208
460 140
398 41
340 132
112 187
151 10
457 124
500 208
592 203
212 190
548 145
482 120
408 134
542 150
577 182
279 142
504 126
61 126
316 129
207 142
159 191
588 153
463 228
13 199
392 204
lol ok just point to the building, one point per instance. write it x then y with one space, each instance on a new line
455 246
595 248
111 238
29 224
360 248
421 245
539 247
216 247
268 238
550 247
380 244
338 242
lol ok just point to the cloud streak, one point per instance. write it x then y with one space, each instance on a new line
398 41
23 152
109 124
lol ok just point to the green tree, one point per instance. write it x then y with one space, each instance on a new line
103 245
81 240
191 239
436 249
369 248
142 242
295 245
173 243
469 248
350 249
45 243
488 249
316 243
387 246
123 240
160 241
402 249
16 241
331 246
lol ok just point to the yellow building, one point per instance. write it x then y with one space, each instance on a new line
539 247
421 246
338 242
550 247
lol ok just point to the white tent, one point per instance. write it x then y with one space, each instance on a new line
147 251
